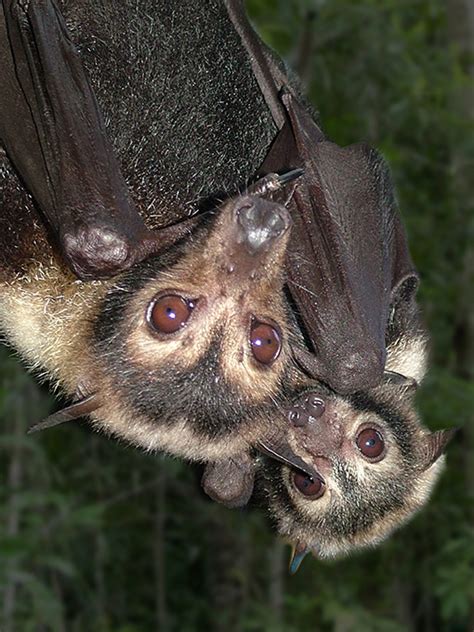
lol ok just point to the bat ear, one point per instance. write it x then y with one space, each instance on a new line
406 288
433 446
81 408
230 482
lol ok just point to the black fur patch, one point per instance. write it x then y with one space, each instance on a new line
212 407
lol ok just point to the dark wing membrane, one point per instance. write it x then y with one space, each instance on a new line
347 256
17 128
262 70
53 131
348 251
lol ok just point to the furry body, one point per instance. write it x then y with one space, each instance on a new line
189 125
173 164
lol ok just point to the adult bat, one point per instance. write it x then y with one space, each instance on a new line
201 390
187 352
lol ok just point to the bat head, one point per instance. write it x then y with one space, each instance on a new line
377 464
188 356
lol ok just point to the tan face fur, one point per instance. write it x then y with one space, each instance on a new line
229 291
57 323
363 499
54 321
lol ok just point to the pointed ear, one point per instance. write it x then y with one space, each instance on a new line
403 387
434 445
407 356
406 288
81 408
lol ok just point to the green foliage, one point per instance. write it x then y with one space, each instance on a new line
81 543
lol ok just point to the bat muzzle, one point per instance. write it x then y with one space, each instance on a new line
260 223
317 424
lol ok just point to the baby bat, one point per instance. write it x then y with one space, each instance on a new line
377 463
195 350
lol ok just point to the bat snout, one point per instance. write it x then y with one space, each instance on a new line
317 425
261 223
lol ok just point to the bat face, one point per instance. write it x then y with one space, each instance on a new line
376 462
190 351
370 455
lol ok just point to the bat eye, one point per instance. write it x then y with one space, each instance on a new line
370 442
265 342
167 314
310 487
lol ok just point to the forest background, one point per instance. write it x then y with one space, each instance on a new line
95 536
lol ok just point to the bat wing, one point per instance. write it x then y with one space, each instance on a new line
348 254
52 129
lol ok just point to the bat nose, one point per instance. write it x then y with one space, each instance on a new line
306 410
261 223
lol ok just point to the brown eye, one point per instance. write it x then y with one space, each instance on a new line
310 487
265 342
370 442
169 313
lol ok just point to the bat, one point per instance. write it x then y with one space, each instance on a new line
113 202
378 463
357 425
204 320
